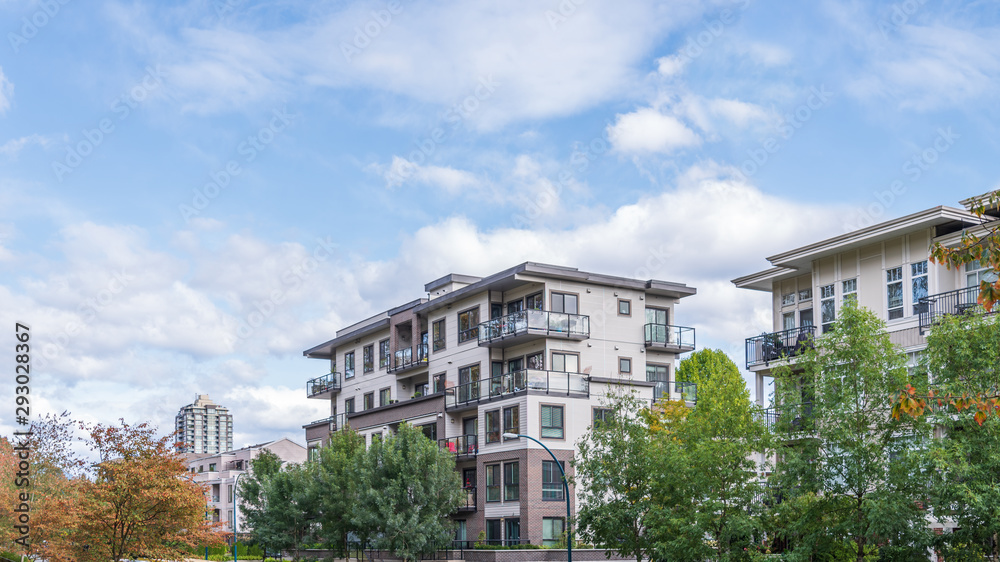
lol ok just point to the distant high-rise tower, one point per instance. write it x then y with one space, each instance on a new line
204 427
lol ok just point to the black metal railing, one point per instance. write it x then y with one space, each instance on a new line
549 382
406 359
534 321
959 301
798 416
336 422
461 446
470 499
666 335
779 345
319 385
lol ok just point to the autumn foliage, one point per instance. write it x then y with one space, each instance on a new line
137 499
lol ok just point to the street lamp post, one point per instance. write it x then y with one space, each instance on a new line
569 529
236 515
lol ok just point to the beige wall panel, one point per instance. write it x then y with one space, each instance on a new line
849 264
825 270
870 285
870 251
894 252
919 246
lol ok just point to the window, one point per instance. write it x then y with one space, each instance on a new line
827 307
624 365
438 334
468 383
439 380
894 292
349 365
624 307
230 490
430 430
511 420
536 361
493 426
657 316
349 405
383 354
533 302
552 483
511 481
602 415
976 273
552 531
850 290
515 306
376 437
918 283
552 421
460 532
806 317
493 531
369 401
565 362
787 299
468 325
660 374
211 467
788 321
368 356
201 468
805 294
512 525
384 395
564 302
493 483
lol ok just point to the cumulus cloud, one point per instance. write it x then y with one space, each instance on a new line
452 181
646 130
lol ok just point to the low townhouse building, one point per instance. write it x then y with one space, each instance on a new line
219 472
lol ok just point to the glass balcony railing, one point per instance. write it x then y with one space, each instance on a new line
329 382
765 348
548 382
406 359
680 338
538 322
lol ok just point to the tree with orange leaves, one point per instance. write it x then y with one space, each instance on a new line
138 500
980 245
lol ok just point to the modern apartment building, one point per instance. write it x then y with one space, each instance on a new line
529 350
219 473
885 267
204 427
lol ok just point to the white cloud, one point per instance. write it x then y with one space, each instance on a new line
439 53
6 93
671 65
647 130
14 147
450 180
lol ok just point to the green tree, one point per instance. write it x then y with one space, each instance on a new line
278 503
408 487
706 475
335 475
847 469
614 476
963 354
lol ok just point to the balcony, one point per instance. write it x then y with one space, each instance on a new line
960 301
323 387
799 415
465 447
527 325
686 391
320 429
678 339
470 500
468 395
404 359
763 349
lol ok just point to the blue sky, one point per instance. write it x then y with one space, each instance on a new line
168 169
